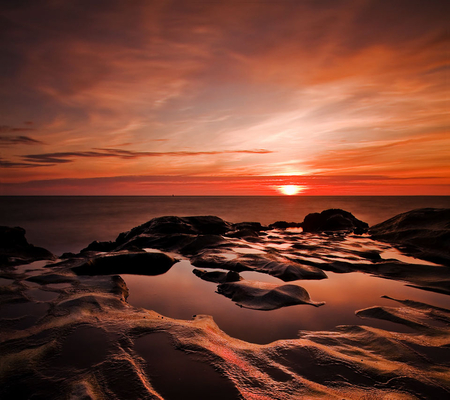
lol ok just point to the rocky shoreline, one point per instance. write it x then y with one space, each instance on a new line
89 303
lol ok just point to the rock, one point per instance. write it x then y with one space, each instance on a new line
11 238
15 249
217 276
252 226
285 270
285 225
333 220
423 233
140 263
201 242
243 233
265 296
100 246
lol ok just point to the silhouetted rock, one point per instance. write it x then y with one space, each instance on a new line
15 249
100 246
423 233
333 220
253 226
141 263
285 225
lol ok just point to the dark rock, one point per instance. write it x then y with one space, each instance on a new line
286 271
201 242
15 249
423 233
253 226
11 238
140 263
243 233
171 225
217 276
208 225
285 225
265 296
333 220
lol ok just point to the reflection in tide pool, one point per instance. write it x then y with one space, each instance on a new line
180 294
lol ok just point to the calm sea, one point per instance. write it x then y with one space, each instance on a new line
62 224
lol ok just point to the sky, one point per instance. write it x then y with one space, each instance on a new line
143 97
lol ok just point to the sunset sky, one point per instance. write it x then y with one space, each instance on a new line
144 97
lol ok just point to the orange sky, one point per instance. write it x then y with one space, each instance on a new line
224 98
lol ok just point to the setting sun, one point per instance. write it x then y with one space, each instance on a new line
290 190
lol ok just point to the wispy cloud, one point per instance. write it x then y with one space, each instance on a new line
66 157
12 140
8 129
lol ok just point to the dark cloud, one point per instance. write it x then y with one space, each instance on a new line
8 129
7 140
66 157
10 164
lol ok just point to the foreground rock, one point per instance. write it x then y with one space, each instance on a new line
87 342
265 296
423 233
15 249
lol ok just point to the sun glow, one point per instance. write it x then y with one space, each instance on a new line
290 190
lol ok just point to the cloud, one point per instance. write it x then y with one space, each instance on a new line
7 140
8 129
11 164
67 157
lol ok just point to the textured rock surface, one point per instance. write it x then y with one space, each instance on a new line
265 296
423 233
87 342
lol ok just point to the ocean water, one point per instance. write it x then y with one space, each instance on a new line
69 223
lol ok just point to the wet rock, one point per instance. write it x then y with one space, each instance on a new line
423 233
265 296
217 276
333 220
243 233
201 242
285 270
252 226
285 225
15 249
140 263
168 225
100 246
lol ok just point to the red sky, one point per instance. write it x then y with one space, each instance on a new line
224 97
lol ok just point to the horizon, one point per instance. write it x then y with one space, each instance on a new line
261 98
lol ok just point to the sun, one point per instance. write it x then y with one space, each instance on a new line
290 190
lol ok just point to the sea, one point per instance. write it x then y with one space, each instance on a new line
68 224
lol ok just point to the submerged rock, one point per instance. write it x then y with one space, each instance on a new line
424 233
15 249
265 296
333 220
